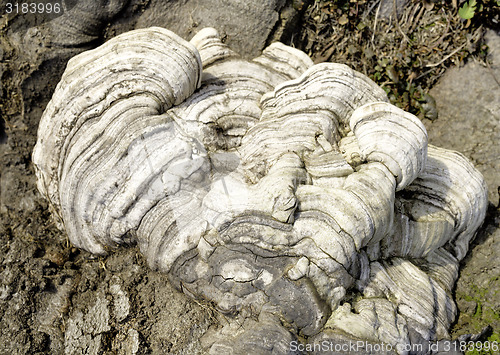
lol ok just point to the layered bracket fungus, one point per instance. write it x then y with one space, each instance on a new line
292 196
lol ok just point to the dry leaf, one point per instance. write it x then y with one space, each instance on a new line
343 20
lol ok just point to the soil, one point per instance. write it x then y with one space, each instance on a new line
51 292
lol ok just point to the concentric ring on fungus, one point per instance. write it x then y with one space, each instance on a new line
291 195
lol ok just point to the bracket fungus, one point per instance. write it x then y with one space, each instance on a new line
293 196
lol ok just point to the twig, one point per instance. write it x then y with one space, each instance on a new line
445 58
371 8
412 27
375 23
423 74
446 33
395 14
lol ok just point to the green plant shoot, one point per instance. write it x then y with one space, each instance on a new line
468 10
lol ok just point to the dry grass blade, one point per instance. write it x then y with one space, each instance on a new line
396 52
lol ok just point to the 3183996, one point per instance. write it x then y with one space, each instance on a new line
32 8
